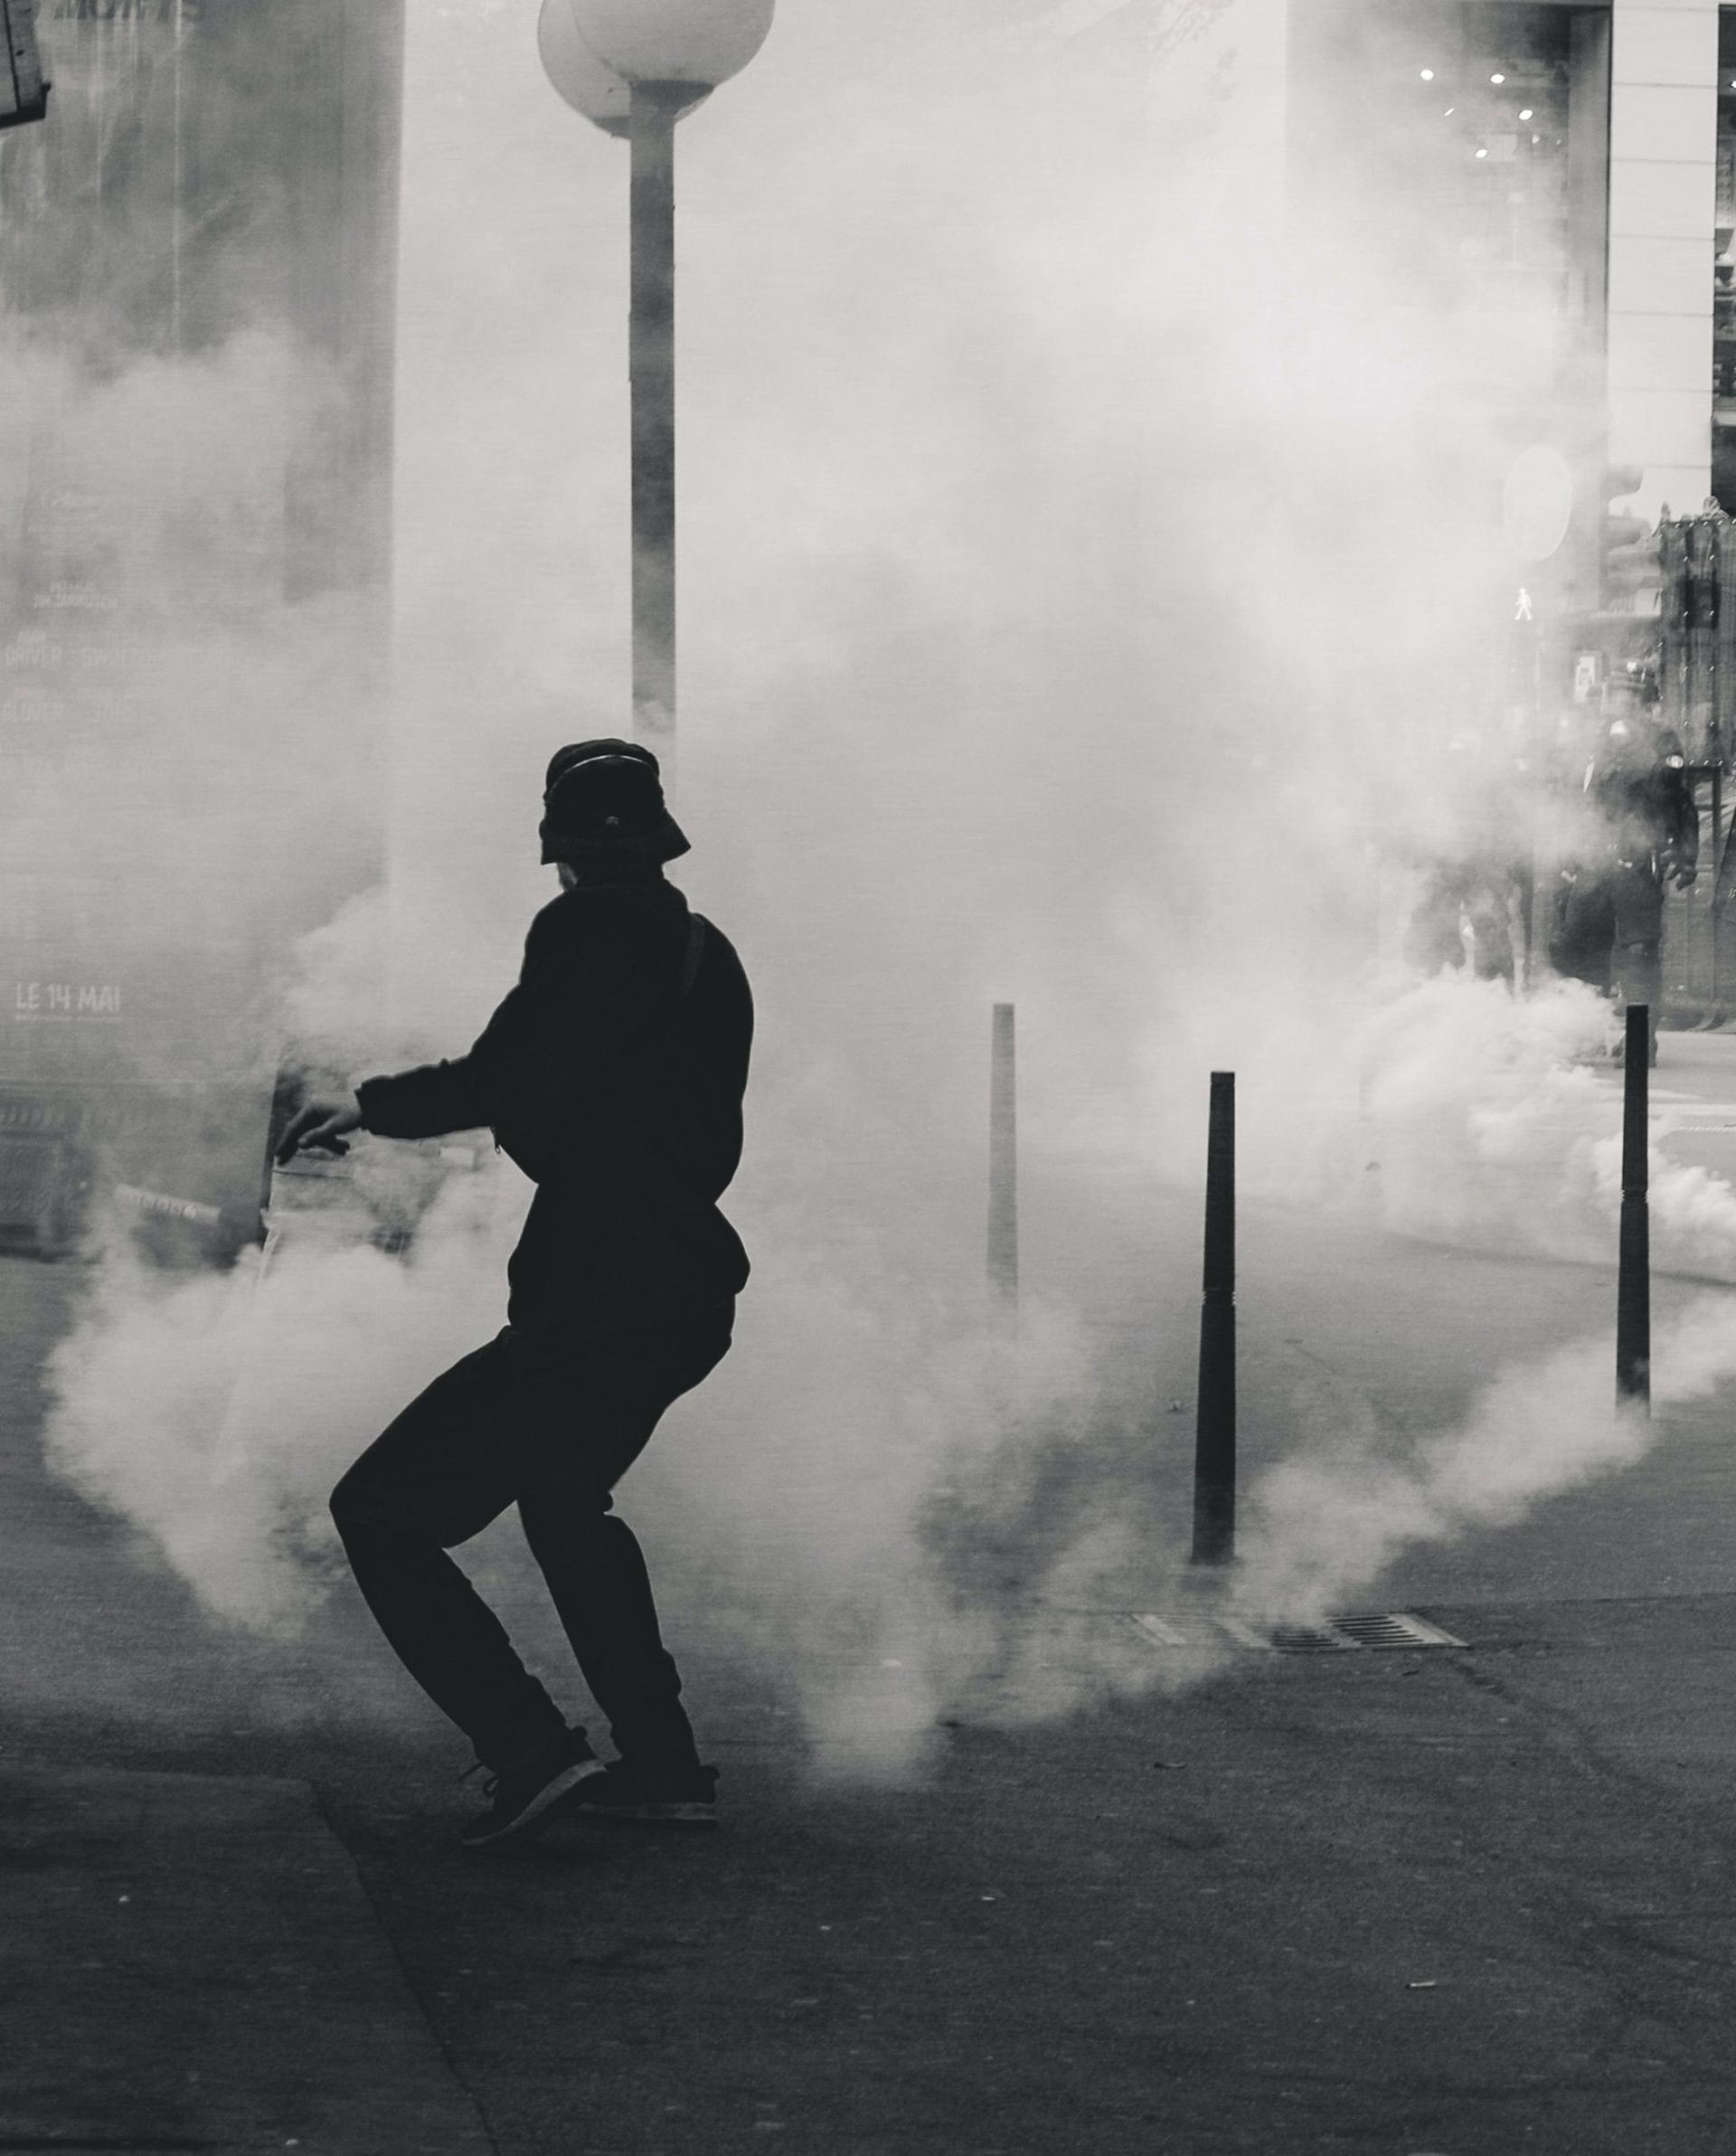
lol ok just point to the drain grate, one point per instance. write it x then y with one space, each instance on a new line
1396 1628
1386 1630
1311 1639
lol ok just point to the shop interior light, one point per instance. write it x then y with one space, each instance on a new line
1497 80
1429 75
1482 153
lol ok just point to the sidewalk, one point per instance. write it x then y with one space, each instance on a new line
191 1961
1469 1903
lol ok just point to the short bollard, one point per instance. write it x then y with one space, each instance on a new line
1214 1444
1002 1164
1634 1278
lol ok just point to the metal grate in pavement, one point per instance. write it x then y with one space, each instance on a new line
1311 1639
1396 1628
1386 1630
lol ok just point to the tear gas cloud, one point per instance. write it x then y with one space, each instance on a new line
1069 617
186 792
1329 1522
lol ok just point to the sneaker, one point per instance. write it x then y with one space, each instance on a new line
527 1800
687 1798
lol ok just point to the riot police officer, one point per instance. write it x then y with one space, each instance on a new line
1643 833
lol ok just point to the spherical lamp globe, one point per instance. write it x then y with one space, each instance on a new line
698 41
575 70
586 83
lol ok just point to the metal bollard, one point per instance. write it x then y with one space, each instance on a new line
1633 1277
1214 1444
1003 1163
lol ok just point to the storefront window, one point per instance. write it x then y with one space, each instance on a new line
1442 139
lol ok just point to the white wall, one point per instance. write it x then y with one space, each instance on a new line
1663 138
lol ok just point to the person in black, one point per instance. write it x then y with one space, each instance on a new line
1645 833
1470 913
613 1074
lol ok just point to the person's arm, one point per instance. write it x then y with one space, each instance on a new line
319 1126
472 1090
432 1099
424 1102
577 994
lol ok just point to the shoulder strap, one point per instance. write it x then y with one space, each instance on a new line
695 954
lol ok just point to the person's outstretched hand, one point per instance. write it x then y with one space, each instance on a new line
321 1124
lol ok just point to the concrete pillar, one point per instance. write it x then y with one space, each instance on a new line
1663 154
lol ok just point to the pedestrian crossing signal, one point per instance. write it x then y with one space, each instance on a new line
24 93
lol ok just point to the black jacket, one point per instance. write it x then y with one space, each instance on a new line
1638 781
619 1091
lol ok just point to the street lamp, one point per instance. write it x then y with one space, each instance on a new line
634 67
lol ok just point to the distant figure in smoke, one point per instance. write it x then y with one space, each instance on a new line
613 1074
1470 913
1644 832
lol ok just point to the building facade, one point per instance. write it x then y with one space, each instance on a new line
1585 151
197 254
1565 173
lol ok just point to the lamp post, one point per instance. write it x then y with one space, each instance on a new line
633 68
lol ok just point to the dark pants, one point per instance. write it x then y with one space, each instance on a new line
1611 934
552 1428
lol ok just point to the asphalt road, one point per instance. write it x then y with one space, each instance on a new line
1444 1901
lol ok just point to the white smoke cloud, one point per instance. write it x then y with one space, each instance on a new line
994 687
1489 1121
1326 1527
217 1411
